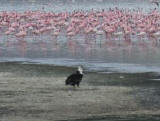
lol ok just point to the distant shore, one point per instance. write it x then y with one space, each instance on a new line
31 92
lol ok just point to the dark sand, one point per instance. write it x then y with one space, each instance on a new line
30 92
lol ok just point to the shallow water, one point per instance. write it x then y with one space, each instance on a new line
142 56
90 65
71 5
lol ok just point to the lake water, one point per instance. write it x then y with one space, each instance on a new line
140 56
136 57
71 5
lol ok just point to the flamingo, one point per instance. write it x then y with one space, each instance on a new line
21 34
113 23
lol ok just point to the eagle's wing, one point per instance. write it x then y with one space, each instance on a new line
69 79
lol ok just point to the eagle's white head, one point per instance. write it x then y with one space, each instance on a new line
80 69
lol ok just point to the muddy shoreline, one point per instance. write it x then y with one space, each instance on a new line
32 92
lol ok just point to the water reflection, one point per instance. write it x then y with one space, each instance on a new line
99 45
83 47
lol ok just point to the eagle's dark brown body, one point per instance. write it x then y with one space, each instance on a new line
75 78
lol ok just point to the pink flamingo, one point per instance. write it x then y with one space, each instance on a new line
21 34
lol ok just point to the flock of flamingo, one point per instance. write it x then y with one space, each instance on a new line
114 24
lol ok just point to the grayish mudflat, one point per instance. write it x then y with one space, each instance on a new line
30 92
